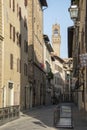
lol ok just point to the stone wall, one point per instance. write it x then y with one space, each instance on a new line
0 53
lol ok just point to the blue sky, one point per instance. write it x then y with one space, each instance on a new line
57 12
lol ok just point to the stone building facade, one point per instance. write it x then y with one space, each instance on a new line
82 44
36 61
58 80
79 47
23 78
24 85
15 59
48 66
1 45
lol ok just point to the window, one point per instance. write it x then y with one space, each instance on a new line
14 34
25 22
10 31
56 31
10 3
25 69
10 94
10 85
25 46
20 39
17 36
19 13
25 2
13 5
11 61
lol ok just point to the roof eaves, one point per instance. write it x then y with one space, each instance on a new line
43 3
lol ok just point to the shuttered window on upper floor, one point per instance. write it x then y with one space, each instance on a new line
12 32
25 46
25 22
11 61
20 13
12 4
25 2
19 38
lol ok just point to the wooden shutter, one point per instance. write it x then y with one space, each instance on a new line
13 5
10 31
25 2
11 61
14 34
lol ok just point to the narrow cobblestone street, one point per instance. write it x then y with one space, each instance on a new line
37 119
41 118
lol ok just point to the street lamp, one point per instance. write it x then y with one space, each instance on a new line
74 16
73 12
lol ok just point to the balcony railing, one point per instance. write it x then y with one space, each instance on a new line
9 113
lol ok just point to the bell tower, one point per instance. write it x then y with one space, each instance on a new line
56 39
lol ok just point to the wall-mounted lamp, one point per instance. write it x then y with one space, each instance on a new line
73 12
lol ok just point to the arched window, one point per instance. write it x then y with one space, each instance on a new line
56 32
